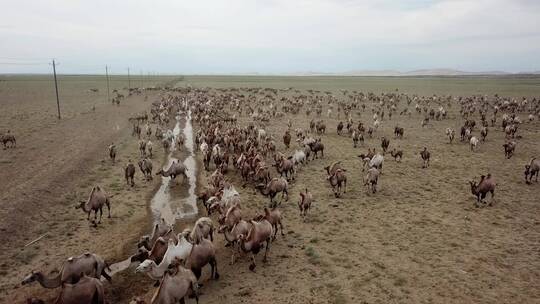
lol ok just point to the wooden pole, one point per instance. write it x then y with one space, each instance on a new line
56 87
129 81
107 75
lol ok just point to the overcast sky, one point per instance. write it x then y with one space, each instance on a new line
270 36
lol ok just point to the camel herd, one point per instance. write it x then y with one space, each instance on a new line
234 144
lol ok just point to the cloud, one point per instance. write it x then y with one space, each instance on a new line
275 35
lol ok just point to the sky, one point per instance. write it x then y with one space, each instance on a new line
268 36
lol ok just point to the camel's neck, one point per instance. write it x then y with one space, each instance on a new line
49 282
159 270
229 236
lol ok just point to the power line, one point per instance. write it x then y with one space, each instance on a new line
22 63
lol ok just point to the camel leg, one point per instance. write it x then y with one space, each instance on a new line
215 273
108 207
232 255
281 228
253 265
265 259
100 214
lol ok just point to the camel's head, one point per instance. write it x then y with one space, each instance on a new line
144 241
222 228
185 234
141 255
32 277
473 185
527 169
159 172
145 266
80 205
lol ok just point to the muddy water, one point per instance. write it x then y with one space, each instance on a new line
167 204
118 267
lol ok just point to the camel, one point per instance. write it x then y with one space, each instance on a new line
176 168
531 170
88 264
273 187
274 217
202 254
304 204
231 234
8 138
87 291
129 173
332 168
180 251
203 228
156 253
175 286
145 165
259 233
161 229
337 180
149 147
142 147
97 198
480 190
112 152
425 155
287 139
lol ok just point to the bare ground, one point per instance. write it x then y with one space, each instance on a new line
418 240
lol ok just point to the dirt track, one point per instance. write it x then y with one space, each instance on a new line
418 240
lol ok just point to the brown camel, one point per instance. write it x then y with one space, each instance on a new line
97 198
87 291
72 270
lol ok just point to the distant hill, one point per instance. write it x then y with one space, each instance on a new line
423 72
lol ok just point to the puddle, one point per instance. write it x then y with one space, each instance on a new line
164 204
119 267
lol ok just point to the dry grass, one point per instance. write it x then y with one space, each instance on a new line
419 239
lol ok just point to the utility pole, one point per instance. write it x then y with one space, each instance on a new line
56 87
129 81
142 80
107 75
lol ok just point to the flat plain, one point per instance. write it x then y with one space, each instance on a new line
419 239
